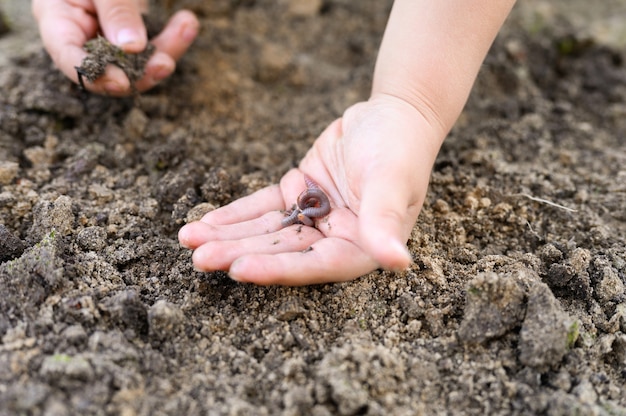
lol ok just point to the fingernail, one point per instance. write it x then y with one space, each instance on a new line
198 269
183 237
189 33
233 273
127 37
403 250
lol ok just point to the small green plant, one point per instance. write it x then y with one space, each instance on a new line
61 358
572 334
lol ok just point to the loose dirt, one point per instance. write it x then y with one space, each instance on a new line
515 301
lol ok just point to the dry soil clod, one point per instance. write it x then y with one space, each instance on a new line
101 53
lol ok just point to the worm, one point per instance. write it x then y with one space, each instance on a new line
312 203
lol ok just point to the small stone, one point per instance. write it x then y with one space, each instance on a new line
471 202
273 63
8 172
135 124
585 392
165 320
610 287
47 216
75 334
10 246
547 331
149 208
38 156
549 254
616 351
290 309
174 184
6 198
196 213
440 206
127 308
92 238
61 366
579 260
305 8
494 305
409 306
101 193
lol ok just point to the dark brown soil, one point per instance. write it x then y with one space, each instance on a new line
515 303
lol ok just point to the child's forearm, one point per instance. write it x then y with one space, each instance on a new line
432 51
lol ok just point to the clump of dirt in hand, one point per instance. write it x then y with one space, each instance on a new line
102 53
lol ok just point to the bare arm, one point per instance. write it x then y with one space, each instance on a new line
374 162
432 51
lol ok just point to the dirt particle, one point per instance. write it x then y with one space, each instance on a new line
92 238
290 309
305 8
494 305
274 62
75 334
54 216
135 124
410 307
10 246
218 186
165 320
100 193
127 309
196 213
610 287
545 335
27 281
8 172
66 370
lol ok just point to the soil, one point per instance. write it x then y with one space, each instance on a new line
515 301
101 53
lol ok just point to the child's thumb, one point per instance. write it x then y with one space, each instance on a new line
385 223
122 24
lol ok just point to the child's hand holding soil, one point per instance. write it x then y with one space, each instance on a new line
66 26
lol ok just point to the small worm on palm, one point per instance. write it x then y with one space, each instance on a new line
312 203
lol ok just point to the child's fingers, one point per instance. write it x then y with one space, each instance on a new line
326 260
248 207
219 255
197 233
178 34
64 31
62 35
386 219
171 44
160 66
122 24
